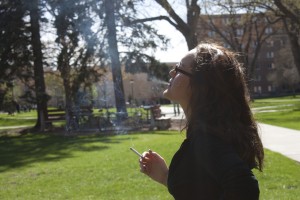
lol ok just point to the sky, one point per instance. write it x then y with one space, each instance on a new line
178 47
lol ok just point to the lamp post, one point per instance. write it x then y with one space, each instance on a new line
132 97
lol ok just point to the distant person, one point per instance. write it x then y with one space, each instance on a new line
222 144
17 106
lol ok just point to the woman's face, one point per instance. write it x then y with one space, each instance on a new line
178 89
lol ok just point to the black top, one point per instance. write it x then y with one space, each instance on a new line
207 168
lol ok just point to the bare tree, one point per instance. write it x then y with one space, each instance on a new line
188 27
284 75
245 30
288 12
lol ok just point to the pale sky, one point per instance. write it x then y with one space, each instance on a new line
178 47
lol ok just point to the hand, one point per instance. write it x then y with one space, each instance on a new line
154 166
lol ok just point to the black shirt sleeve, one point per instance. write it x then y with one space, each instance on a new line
223 164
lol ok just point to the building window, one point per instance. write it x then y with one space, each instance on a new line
259 89
270 88
257 77
268 30
271 43
225 20
272 66
270 54
254 44
211 33
239 32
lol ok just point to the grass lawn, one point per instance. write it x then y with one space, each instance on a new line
283 111
18 119
29 118
102 167
280 111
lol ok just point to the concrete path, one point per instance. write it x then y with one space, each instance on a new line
282 140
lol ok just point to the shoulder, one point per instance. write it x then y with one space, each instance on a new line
213 151
206 144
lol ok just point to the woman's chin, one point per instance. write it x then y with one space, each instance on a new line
166 95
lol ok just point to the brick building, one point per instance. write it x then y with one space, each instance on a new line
257 40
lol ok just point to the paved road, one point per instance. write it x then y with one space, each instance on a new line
282 140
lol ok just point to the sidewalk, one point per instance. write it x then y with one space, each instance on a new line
282 140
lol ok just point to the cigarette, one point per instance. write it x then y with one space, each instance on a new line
136 152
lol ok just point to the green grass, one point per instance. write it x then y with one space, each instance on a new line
280 178
280 111
18 119
283 111
102 167
87 167
29 118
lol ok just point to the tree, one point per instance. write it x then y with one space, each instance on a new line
243 29
188 29
288 12
134 39
80 45
22 50
284 75
76 48
40 88
15 56
114 54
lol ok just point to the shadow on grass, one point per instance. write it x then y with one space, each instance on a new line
19 151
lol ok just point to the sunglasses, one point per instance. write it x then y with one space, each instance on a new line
177 69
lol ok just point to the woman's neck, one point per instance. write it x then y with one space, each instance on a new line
185 110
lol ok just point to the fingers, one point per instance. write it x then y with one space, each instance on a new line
145 162
147 153
144 165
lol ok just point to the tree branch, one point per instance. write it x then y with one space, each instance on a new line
286 11
153 19
165 4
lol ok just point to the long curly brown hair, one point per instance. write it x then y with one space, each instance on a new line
219 102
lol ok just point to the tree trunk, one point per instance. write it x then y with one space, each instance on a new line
40 90
114 56
295 47
191 40
188 29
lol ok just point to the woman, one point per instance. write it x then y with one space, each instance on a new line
222 144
